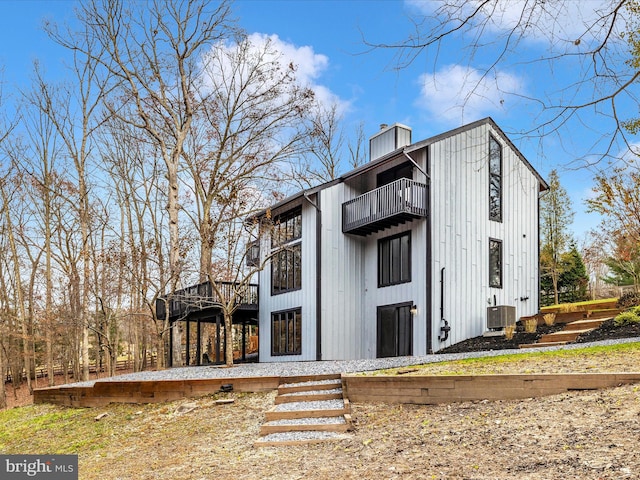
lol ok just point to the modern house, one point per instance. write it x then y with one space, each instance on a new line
403 255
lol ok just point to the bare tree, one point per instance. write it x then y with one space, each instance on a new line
136 177
251 123
328 150
584 37
152 51
74 110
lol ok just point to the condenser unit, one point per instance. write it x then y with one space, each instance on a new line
500 316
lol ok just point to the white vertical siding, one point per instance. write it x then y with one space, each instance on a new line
305 298
341 278
461 230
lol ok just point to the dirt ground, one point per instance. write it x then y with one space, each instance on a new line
589 435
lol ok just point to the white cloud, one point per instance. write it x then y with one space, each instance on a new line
460 94
309 65
551 21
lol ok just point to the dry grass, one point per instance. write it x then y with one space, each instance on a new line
509 331
587 435
549 319
531 324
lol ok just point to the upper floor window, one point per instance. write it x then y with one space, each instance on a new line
286 260
253 254
495 180
287 227
394 260
495 263
401 171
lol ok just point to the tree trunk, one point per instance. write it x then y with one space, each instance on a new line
3 373
228 334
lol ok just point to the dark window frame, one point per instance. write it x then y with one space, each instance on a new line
495 179
287 227
291 342
495 263
286 258
286 269
253 254
399 351
393 271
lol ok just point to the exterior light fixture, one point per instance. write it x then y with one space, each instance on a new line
413 310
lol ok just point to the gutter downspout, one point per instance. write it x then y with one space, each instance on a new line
418 166
428 266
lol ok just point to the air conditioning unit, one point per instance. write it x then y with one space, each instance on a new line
500 316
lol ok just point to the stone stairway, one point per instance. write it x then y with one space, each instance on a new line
308 409
568 334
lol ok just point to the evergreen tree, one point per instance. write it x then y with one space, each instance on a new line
573 280
556 214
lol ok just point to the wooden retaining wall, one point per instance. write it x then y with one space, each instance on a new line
429 390
357 388
149 391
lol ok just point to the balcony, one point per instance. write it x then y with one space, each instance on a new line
392 204
201 297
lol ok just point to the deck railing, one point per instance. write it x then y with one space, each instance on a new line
401 197
202 296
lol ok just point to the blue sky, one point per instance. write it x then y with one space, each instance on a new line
326 40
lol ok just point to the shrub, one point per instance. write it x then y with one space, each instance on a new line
568 308
629 299
549 319
509 331
627 318
531 324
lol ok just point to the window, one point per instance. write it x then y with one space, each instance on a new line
495 263
253 254
394 260
287 227
495 180
286 269
286 262
402 171
286 332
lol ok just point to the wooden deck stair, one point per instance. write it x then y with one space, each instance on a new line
307 410
568 334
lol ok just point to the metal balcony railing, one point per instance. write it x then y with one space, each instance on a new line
391 204
202 296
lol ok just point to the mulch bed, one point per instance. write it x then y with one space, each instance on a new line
607 331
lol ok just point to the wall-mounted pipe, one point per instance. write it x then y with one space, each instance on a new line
444 329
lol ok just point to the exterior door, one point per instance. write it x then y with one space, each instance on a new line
395 331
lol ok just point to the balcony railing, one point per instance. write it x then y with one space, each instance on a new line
391 204
202 296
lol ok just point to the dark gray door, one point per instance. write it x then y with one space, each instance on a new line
395 331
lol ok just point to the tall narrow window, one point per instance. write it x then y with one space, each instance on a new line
286 332
495 180
394 260
286 261
495 263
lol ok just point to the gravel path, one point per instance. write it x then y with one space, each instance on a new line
283 369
